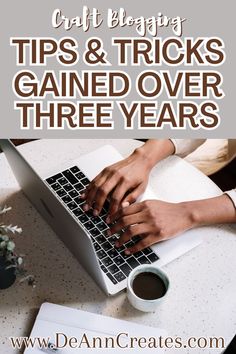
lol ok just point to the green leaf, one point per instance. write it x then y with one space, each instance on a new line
10 246
3 244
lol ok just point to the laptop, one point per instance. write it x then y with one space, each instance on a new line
66 330
56 197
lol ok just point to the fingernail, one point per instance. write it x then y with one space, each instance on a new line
127 252
108 220
82 196
117 244
95 212
108 232
86 207
125 204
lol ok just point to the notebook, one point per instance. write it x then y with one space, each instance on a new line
67 330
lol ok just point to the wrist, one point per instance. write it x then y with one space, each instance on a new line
210 211
154 151
193 213
144 155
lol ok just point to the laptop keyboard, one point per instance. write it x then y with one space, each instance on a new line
68 185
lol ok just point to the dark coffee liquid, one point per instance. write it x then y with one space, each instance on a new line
148 286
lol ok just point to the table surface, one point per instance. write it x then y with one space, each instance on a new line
201 300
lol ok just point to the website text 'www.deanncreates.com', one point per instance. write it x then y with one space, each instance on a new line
121 341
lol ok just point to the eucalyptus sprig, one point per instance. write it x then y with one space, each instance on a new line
10 228
4 209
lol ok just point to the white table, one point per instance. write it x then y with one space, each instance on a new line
201 300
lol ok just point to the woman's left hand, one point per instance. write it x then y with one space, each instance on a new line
152 220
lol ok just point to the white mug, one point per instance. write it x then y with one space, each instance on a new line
139 303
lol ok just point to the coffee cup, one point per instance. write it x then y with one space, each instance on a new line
147 287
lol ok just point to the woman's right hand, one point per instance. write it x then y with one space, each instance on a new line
123 182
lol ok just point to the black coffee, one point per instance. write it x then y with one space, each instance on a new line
148 286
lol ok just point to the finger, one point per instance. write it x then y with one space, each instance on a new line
146 241
126 221
133 196
124 204
92 191
86 191
116 197
91 184
131 231
129 210
102 193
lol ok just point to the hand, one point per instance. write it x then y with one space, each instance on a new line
123 182
126 180
153 220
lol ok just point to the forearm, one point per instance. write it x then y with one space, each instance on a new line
154 151
211 211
